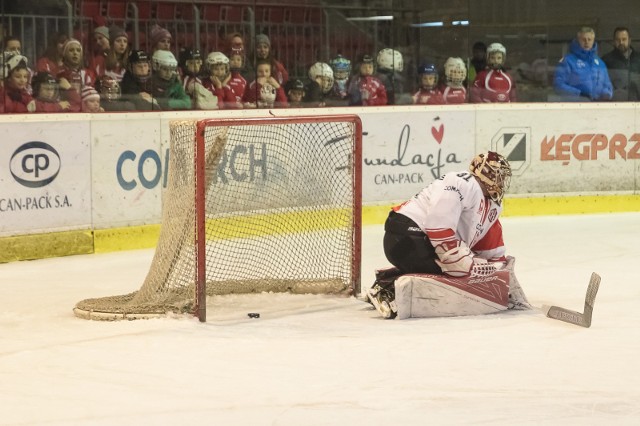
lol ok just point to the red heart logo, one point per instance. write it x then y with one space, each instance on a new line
438 133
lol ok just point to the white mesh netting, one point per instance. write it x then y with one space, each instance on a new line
281 214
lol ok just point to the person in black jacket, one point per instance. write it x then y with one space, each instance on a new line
623 64
136 85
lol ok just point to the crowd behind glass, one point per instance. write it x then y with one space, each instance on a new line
110 75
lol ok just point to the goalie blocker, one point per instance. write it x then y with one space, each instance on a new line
431 295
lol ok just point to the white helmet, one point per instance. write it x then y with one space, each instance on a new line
455 71
390 60
164 59
496 48
217 58
494 172
320 69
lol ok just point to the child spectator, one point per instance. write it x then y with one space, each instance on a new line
15 74
167 89
47 95
136 84
263 52
115 63
494 84
12 44
234 42
295 93
52 59
234 46
341 71
110 95
264 91
91 100
364 88
72 75
455 73
190 68
237 83
101 48
160 39
390 67
217 81
428 93
320 86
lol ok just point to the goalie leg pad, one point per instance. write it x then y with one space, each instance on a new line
427 295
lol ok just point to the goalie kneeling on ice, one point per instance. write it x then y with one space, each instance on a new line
429 295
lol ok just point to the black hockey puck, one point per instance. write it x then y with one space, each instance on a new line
253 315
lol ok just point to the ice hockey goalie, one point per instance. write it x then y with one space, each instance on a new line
484 291
447 248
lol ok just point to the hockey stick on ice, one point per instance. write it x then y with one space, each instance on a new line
573 317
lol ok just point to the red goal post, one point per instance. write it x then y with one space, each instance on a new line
252 205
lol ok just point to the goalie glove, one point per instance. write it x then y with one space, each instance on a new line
456 259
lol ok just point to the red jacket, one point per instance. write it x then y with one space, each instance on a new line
16 101
454 95
367 91
428 97
252 92
238 85
49 106
226 98
493 86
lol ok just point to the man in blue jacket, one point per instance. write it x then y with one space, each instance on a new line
582 75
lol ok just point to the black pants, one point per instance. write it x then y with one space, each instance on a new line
407 247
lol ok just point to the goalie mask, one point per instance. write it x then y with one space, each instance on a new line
496 55
455 71
494 173
324 73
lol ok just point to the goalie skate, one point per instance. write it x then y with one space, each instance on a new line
382 294
383 299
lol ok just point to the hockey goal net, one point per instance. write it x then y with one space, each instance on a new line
251 205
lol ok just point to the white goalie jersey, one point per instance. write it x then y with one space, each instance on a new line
454 207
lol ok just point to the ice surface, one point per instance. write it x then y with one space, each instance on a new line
320 360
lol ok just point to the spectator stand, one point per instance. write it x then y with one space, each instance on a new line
34 30
300 34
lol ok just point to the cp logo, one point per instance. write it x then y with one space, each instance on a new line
35 164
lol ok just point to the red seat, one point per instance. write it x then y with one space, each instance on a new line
144 10
165 11
276 14
186 11
294 15
211 12
89 8
261 14
117 10
314 16
232 14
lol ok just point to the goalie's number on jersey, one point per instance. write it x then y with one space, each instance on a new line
465 176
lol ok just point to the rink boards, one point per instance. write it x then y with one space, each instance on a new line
82 183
